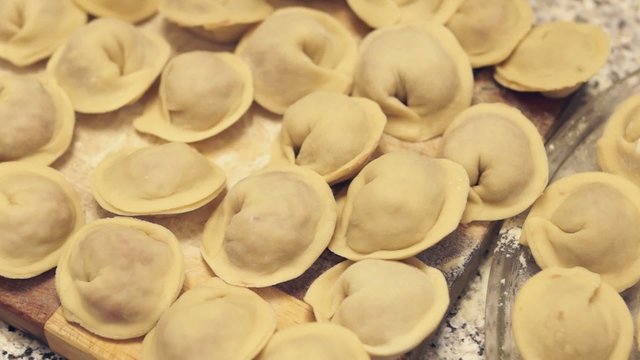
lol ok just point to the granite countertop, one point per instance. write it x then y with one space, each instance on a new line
462 334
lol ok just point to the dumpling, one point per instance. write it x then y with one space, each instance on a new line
331 134
379 13
31 30
108 64
37 119
270 227
297 51
617 148
201 94
399 205
171 178
118 275
221 20
39 210
127 10
418 74
555 59
570 314
212 321
590 220
489 30
406 299
314 341
505 160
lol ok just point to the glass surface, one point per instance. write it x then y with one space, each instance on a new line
570 150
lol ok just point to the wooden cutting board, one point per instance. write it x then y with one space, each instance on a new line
32 305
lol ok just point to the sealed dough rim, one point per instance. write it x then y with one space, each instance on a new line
510 76
391 13
556 194
91 6
505 48
316 297
448 219
22 56
72 302
156 120
377 120
536 185
121 95
216 184
65 124
287 337
214 19
343 72
212 245
214 284
436 122
616 305
613 137
51 260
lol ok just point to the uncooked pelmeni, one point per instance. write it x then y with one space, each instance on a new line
213 320
380 13
329 133
571 314
163 179
270 227
314 341
37 119
108 64
399 205
201 94
418 74
489 30
618 147
505 160
118 275
591 220
297 51
127 10
39 211
407 299
31 30
221 20
555 59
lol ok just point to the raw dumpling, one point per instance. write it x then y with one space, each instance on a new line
297 51
489 30
571 314
163 179
505 160
555 59
31 30
201 94
331 134
314 341
37 119
270 227
399 205
108 64
127 10
379 13
39 210
618 147
590 220
212 321
418 74
392 306
222 20
118 275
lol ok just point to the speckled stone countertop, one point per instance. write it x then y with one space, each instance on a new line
462 335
